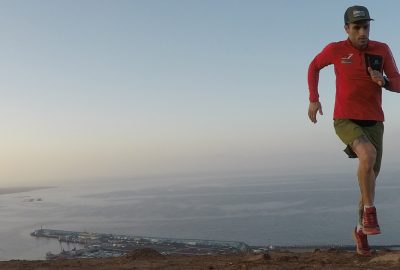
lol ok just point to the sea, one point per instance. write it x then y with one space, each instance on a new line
272 210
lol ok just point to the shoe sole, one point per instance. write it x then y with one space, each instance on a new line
360 252
373 231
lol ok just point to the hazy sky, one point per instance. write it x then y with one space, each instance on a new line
109 89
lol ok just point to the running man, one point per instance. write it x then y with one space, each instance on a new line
359 65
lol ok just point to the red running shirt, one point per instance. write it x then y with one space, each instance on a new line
357 96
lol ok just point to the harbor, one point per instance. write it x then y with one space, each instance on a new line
99 245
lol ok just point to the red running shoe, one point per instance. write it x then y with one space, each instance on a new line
361 240
370 221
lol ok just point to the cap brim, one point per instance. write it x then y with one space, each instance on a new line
354 21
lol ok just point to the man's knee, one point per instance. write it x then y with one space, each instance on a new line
367 159
365 151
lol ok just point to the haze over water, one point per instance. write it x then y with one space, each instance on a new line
310 210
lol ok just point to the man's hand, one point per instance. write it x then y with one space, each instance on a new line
313 108
376 76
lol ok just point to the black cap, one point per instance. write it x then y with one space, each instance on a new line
356 13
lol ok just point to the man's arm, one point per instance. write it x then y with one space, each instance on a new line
322 60
393 76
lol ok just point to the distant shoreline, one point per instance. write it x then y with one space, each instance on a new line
12 190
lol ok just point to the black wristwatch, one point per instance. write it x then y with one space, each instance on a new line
387 82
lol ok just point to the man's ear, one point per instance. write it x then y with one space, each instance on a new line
346 28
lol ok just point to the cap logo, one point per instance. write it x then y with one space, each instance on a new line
358 13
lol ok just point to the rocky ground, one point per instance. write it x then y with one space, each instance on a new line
147 259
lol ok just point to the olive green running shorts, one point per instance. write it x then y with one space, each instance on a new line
348 131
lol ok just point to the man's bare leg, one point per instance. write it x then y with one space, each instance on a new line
366 154
360 211
361 204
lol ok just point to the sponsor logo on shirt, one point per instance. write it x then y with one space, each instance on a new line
347 59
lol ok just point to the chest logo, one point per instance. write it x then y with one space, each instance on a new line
346 60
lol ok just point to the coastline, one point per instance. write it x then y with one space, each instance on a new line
13 190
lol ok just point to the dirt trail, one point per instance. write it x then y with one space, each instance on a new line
147 259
